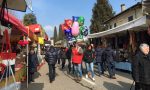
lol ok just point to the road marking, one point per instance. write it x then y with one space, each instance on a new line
88 81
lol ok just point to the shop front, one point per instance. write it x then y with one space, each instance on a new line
125 40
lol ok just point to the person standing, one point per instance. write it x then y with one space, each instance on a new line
109 56
68 55
141 68
99 60
58 55
32 65
89 60
77 55
63 57
51 59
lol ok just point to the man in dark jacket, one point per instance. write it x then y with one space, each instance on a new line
51 58
68 55
109 57
98 53
141 68
58 50
63 57
32 64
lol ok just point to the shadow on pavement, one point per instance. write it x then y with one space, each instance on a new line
124 74
122 86
71 76
33 86
56 74
126 85
37 74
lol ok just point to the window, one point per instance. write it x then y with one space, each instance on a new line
110 26
115 25
130 18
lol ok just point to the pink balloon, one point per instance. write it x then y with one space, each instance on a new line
75 29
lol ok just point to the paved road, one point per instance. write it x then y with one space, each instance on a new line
66 82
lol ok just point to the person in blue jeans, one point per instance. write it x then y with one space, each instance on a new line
99 59
77 56
78 70
89 60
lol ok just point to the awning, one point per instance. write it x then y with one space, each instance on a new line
127 26
59 42
14 21
35 28
33 36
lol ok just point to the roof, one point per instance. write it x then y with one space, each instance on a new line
132 7
129 26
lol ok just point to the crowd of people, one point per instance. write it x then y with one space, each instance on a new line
77 56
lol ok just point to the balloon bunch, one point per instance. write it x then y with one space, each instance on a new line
74 28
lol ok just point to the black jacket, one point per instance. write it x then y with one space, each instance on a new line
32 62
68 53
59 52
63 54
141 68
98 54
88 56
108 55
51 56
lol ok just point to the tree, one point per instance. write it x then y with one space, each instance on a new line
102 11
61 33
55 35
29 19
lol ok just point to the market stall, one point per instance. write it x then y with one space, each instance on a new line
125 40
16 30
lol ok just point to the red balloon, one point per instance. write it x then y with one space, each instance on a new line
68 22
64 27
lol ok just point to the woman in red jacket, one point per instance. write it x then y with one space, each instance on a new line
77 55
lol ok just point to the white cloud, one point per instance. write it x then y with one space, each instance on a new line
49 30
48 27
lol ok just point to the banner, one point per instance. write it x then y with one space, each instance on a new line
40 40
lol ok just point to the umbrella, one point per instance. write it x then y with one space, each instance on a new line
19 5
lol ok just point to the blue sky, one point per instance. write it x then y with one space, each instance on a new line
51 13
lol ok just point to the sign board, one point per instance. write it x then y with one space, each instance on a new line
40 40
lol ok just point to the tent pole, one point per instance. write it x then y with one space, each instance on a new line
27 47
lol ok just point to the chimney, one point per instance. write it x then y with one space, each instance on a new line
123 7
